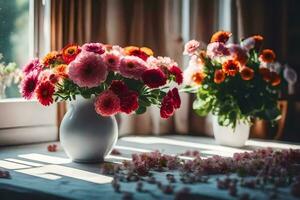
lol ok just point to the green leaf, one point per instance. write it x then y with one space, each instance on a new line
189 89
202 107
272 114
141 110
144 101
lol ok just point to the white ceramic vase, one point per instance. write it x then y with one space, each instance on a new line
85 135
228 137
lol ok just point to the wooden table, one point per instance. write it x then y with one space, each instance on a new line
39 174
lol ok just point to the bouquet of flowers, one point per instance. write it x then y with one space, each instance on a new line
9 73
121 79
233 81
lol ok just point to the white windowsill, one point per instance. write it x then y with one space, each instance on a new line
23 122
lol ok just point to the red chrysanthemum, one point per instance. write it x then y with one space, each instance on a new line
129 102
70 52
167 108
176 71
107 103
29 84
176 98
118 87
170 103
44 93
154 78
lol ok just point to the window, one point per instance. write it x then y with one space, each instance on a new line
24 34
14 43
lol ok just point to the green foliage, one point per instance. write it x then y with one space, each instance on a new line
235 99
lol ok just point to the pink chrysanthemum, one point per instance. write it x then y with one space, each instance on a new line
87 70
164 63
112 61
191 47
48 75
118 50
93 47
107 103
44 75
31 66
132 67
29 84
238 53
217 49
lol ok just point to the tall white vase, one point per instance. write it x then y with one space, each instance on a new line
228 137
85 135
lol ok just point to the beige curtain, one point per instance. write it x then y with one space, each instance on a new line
155 24
204 22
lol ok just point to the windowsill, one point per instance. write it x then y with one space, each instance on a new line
23 121
15 100
36 172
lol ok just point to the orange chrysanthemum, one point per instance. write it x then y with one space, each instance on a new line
142 52
147 50
219 76
267 55
61 70
220 36
50 58
258 41
70 52
197 78
231 67
275 79
265 73
247 73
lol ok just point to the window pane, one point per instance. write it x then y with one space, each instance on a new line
14 35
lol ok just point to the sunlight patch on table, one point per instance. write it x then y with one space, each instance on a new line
117 157
24 162
11 165
46 158
54 172
132 149
276 145
156 140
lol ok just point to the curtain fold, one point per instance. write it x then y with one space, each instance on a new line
204 22
265 17
156 24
